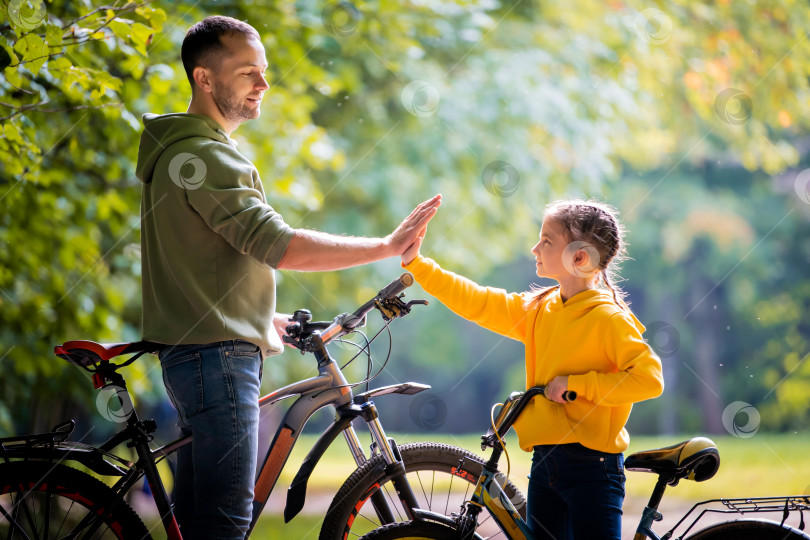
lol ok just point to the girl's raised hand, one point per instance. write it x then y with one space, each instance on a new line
413 250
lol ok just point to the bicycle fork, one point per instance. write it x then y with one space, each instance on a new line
395 466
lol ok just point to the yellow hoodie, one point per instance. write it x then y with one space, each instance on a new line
589 338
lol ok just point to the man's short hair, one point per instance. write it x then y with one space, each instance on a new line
202 46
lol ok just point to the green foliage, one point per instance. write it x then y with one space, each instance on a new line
69 220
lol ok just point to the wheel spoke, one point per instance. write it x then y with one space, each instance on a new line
24 506
449 491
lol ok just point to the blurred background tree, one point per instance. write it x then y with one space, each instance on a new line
688 117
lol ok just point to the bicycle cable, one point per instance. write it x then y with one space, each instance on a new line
500 441
387 356
367 348
369 363
363 348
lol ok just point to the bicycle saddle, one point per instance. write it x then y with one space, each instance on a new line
696 459
87 354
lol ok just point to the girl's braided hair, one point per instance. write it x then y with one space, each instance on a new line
597 227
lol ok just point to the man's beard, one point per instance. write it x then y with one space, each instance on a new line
230 106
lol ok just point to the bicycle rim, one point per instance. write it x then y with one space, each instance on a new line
748 529
442 478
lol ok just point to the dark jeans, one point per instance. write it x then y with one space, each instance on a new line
215 389
575 493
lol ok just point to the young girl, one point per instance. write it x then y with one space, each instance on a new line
581 336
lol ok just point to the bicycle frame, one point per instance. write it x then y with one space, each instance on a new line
489 494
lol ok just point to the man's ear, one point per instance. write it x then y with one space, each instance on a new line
202 78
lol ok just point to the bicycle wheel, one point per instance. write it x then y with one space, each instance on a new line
749 529
441 476
415 530
39 500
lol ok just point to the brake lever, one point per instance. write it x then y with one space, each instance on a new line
391 308
293 342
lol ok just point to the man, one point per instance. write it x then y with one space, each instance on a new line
210 242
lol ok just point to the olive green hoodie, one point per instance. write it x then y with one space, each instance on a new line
209 240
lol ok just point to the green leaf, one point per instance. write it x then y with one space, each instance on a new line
34 51
12 133
13 76
30 46
120 28
53 34
59 64
155 16
141 36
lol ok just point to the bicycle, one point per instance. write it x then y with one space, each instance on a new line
42 497
696 459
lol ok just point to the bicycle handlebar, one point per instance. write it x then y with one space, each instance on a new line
386 300
512 408
389 291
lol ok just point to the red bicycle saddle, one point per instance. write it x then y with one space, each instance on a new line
86 354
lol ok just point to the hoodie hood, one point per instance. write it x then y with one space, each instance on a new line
582 301
162 131
586 301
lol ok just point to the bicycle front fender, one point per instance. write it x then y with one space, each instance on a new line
297 492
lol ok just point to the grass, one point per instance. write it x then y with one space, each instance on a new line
763 465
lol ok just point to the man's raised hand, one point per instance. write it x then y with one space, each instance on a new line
412 228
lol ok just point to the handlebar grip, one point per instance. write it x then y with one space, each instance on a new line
397 286
569 395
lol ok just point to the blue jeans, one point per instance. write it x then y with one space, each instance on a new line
215 389
575 493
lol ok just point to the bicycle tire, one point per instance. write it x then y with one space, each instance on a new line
351 512
28 488
414 530
748 529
